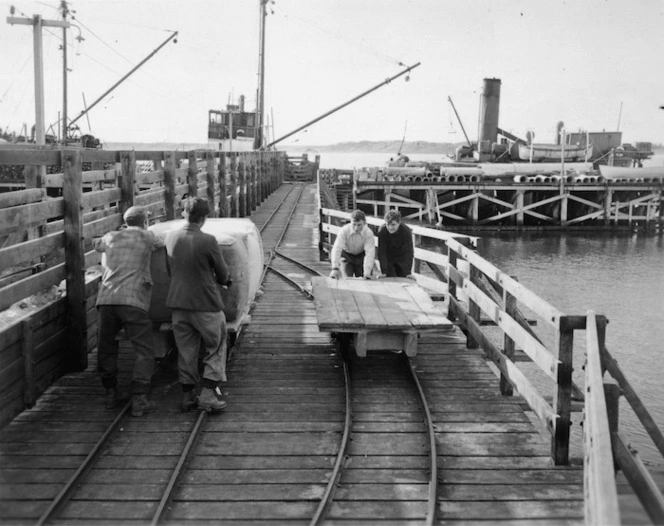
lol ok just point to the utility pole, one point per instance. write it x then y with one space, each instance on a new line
37 23
258 137
65 128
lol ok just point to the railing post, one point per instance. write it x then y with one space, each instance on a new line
474 310
209 159
506 388
452 259
169 185
223 198
192 175
562 396
233 185
72 190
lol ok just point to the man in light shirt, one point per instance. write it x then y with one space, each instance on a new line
354 250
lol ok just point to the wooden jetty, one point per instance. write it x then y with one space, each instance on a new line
511 203
507 450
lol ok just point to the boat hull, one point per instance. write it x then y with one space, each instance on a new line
626 172
553 152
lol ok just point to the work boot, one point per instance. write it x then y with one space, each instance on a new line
140 404
209 401
115 398
189 400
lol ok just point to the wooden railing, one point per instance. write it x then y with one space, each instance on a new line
482 299
46 238
605 446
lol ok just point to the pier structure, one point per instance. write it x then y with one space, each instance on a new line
313 432
511 203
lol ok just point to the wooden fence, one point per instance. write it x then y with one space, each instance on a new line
483 300
46 237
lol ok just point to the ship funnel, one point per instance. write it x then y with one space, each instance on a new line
242 103
559 127
489 112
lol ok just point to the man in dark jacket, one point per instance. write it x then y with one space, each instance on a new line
197 270
395 246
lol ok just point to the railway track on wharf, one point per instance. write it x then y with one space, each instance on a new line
307 437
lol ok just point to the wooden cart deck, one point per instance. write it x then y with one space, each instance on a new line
380 314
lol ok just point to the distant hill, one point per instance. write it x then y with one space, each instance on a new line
392 147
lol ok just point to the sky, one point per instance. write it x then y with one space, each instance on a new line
592 64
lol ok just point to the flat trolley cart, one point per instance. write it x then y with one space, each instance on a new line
383 314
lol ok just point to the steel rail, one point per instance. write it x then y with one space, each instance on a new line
328 495
298 263
65 494
327 498
193 435
276 210
433 466
177 471
290 281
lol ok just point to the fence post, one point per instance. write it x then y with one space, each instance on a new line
128 175
242 178
72 189
28 347
562 396
209 159
223 198
260 188
169 185
233 178
252 184
192 175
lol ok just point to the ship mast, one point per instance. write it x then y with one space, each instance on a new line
260 98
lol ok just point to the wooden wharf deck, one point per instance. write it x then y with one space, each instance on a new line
267 458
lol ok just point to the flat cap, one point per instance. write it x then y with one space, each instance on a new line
135 215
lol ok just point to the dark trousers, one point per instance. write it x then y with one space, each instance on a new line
397 269
352 264
138 328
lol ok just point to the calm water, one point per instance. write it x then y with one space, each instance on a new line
620 276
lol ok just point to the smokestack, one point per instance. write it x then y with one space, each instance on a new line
242 103
490 109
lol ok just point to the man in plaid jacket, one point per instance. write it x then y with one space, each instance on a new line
123 302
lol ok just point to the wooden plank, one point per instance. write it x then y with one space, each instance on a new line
429 315
363 306
21 197
30 285
16 255
394 303
30 215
